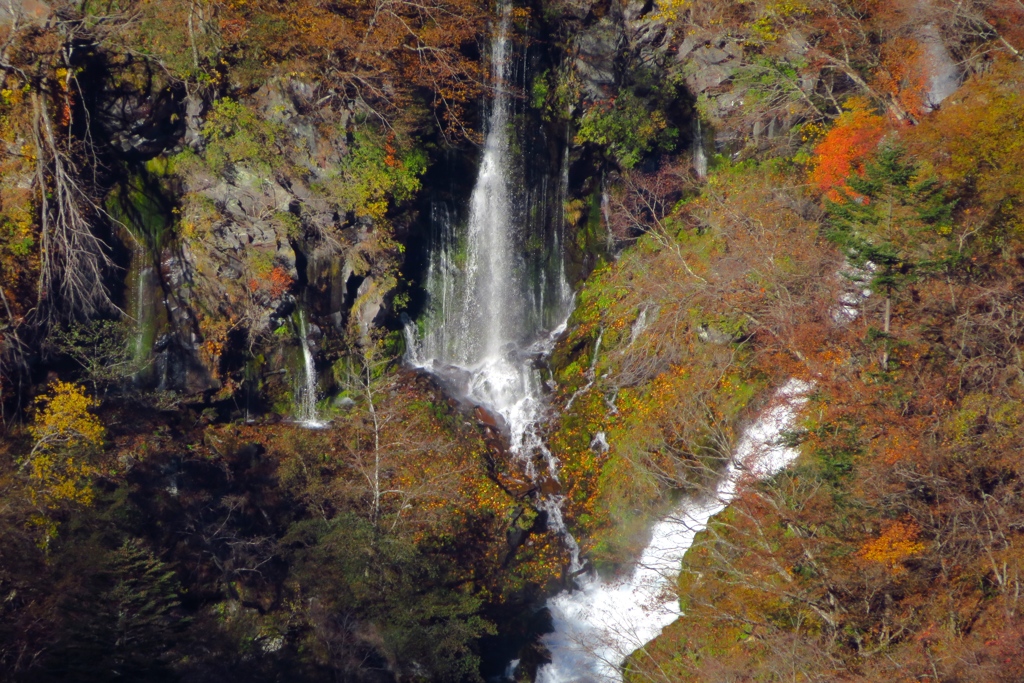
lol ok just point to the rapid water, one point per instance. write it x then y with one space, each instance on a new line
497 304
597 626
306 393
498 294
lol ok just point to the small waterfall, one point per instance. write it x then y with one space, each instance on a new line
147 315
306 393
601 623
606 214
700 157
497 286
144 309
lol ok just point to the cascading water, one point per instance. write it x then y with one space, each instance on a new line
601 623
306 392
498 295
146 307
700 157
496 306
597 626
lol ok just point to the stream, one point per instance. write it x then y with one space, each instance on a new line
496 305
495 310
598 625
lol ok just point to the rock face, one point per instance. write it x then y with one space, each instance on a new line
596 58
245 230
942 72
253 241
141 123
708 61
612 42
608 44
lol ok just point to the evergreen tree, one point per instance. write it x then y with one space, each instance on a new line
124 623
892 223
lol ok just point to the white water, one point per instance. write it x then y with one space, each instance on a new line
700 157
601 623
144 314
493 314
496 304
306 393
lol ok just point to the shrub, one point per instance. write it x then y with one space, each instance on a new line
626 128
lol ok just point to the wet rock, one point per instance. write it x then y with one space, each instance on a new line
550 486
485 417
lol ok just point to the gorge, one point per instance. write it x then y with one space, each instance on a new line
552 340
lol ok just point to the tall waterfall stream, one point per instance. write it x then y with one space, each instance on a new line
497 305
305 390
495 310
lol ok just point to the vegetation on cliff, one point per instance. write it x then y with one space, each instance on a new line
891 550
847 211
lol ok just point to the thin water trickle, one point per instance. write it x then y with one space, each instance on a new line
145 304
700 157
140 350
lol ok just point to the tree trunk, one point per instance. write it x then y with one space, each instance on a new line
886 325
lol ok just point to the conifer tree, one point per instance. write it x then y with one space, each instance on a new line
123 624
892 223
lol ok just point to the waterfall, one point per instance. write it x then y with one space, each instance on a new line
144 313
700 157
145 303
498 294
306 394
601 623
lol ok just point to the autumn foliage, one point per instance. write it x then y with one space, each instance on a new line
66 435
893 546
891 550
845 147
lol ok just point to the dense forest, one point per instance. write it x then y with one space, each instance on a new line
264 262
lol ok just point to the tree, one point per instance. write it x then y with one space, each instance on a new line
123 623
101 348
975 142
375 54
423 619
389 444
38 61
66 435
891 223
845 147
